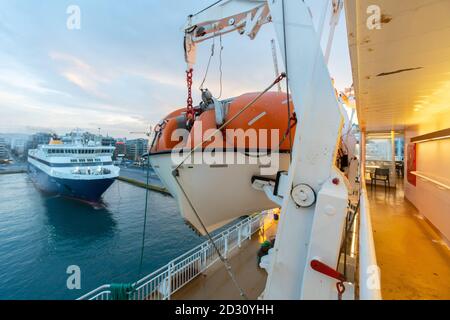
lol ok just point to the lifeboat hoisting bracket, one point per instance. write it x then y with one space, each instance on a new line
310 228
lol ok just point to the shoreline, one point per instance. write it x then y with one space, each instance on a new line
145 186
12 172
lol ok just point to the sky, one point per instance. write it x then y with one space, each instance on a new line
124 69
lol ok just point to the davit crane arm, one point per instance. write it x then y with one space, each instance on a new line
315 199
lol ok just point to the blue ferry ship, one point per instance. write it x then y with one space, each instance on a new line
76 169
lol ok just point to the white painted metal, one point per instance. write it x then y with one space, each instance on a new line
233 194
335 16
306 233
400 69
323 16
275 62
369 272
185 268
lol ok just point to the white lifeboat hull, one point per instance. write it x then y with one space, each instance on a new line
219 193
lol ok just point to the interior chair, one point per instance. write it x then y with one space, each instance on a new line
380 175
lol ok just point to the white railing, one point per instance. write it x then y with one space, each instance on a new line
369 272
164 282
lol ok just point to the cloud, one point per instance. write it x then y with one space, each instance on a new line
123 70
16 76
80 73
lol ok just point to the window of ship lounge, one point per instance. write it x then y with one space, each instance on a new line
384 150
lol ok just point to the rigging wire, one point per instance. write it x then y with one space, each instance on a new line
175 173
277 80
288 96
208 7
220 66
145 217
211 240
209 63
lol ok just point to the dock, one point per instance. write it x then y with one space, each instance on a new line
138 178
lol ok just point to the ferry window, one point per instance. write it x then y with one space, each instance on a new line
90 160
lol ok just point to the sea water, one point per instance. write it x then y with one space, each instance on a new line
41 236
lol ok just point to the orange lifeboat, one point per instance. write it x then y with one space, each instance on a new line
217 155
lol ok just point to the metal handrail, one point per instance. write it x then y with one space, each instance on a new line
165 281
369 272
429 179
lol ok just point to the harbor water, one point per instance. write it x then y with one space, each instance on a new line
42 235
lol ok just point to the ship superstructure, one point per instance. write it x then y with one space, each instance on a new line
74 169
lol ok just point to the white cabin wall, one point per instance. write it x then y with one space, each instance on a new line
433 158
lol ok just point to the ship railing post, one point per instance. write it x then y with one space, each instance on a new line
169 281
239 235
225 245
204 264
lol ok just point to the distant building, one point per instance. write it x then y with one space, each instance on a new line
18 147
3 150
108 142
136 148
39 139
121 150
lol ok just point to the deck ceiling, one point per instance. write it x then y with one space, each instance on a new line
401 72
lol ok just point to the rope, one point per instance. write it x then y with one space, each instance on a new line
121 291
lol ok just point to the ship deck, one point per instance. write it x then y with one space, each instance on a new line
215 283
414 260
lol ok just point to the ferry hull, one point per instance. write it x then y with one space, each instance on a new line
87 190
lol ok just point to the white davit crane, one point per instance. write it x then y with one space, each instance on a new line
275 62
315 196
